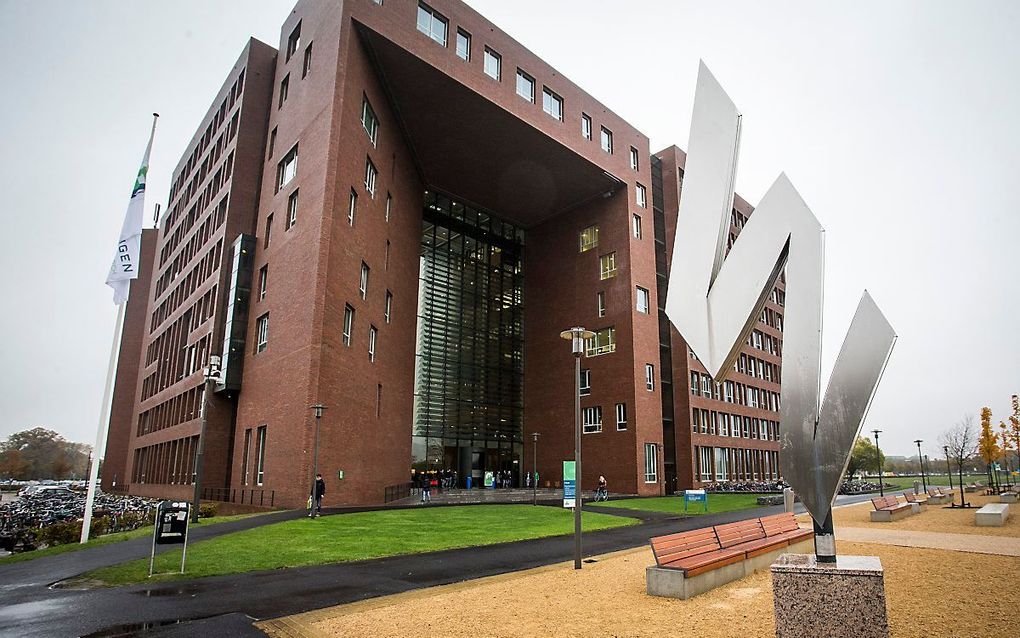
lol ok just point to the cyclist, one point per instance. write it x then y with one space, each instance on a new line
603 490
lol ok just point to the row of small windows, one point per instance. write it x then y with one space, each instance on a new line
293 45
736 464
767 343
734 392
591 418
734 426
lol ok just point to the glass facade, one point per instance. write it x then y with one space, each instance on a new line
469 364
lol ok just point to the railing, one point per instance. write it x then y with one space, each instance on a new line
242 496
397 492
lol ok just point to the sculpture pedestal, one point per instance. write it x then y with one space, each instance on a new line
845 599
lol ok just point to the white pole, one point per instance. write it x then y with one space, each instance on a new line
104 421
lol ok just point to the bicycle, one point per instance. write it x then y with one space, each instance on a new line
601 494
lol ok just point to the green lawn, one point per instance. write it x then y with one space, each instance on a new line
907 482
349 537
675 504
107 539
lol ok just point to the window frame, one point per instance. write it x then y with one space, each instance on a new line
606 140
491 54
371 129
589 424
262 333
529 81
371 176
650 377
551 97
647 299
464 36
346 336
433 17
621 417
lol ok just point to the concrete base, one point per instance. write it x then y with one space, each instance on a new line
915 508
992 515
671 583
825 600
938 500
970 489
886 516
1008 497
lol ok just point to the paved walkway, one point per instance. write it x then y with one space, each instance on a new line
975 543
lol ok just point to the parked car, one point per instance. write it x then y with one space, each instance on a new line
34 490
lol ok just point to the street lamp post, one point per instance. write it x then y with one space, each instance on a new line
534 468
920 463
211 373
949 472
577 336
318 409
878 455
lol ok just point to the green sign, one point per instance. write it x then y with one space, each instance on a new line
569 472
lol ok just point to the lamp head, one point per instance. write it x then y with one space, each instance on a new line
576 337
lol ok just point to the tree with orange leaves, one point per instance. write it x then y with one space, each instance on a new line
988 444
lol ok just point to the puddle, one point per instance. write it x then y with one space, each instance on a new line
131 629
168 591
589 560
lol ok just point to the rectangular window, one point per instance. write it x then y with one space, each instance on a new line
633 158
607 140
695 390
601 298
260 463
705 458
378 400
649 377
589 238
370 175
591 420
389 205
352 207
492 64
432 23
386 257
463 45
293 42
642 196
269 230
525 86
603 342
585 382
373 333
389 306
348 324
363 286
720 464
369 120
621 416
642 300
272 142
636 226
286 170
651 463
284 90
552 103
261 333
292 202
585 126
263 281
306 64
607 266
246 459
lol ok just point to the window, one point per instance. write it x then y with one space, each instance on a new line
370 175
260 463
292 209
369 120
633 158
721 463
705 458
525 86
585 126
348 324
261 333
463 45
603 342
352 207
293 42
651 463
607 140
272 142
552 103
389 306
492 63
621 416
263 280
378 400
269 230
306 64
432 23
649 377
591 420
284 90
287 168
585 382
246 458
695 390
607 265
642 300
363 286
589 238
386 258
372 334
601 297
635 222
389 205
642 196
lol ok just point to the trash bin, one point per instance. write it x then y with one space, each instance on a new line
469 482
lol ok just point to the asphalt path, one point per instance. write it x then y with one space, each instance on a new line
227 605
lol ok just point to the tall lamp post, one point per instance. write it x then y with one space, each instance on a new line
949 472
212 373
318 408
878 458
577 336
920 462
534 468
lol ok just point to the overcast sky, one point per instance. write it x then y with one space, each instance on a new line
896 121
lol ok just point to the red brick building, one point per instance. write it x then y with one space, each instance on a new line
394 216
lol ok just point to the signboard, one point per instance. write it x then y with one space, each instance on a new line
172 522
490 480
696 496
569 484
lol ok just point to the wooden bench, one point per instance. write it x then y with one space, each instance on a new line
992 515
938 497
888 509
690 563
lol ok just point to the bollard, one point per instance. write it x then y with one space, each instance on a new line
788 499
917 487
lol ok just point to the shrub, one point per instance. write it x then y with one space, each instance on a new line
207 510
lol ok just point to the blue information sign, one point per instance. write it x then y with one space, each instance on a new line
695 496
569 484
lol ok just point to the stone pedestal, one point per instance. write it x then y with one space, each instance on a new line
845 599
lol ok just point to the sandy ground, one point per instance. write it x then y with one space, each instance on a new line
929 593
934 518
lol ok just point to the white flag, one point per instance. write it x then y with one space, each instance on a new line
127 258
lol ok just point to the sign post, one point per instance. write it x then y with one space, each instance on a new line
171 528
569 484
695 496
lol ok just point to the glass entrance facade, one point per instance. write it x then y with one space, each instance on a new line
469 364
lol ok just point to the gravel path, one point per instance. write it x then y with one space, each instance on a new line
998 545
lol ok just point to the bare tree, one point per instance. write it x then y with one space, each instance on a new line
961 440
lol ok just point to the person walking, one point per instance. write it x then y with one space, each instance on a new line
320 491
426 489
603 491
